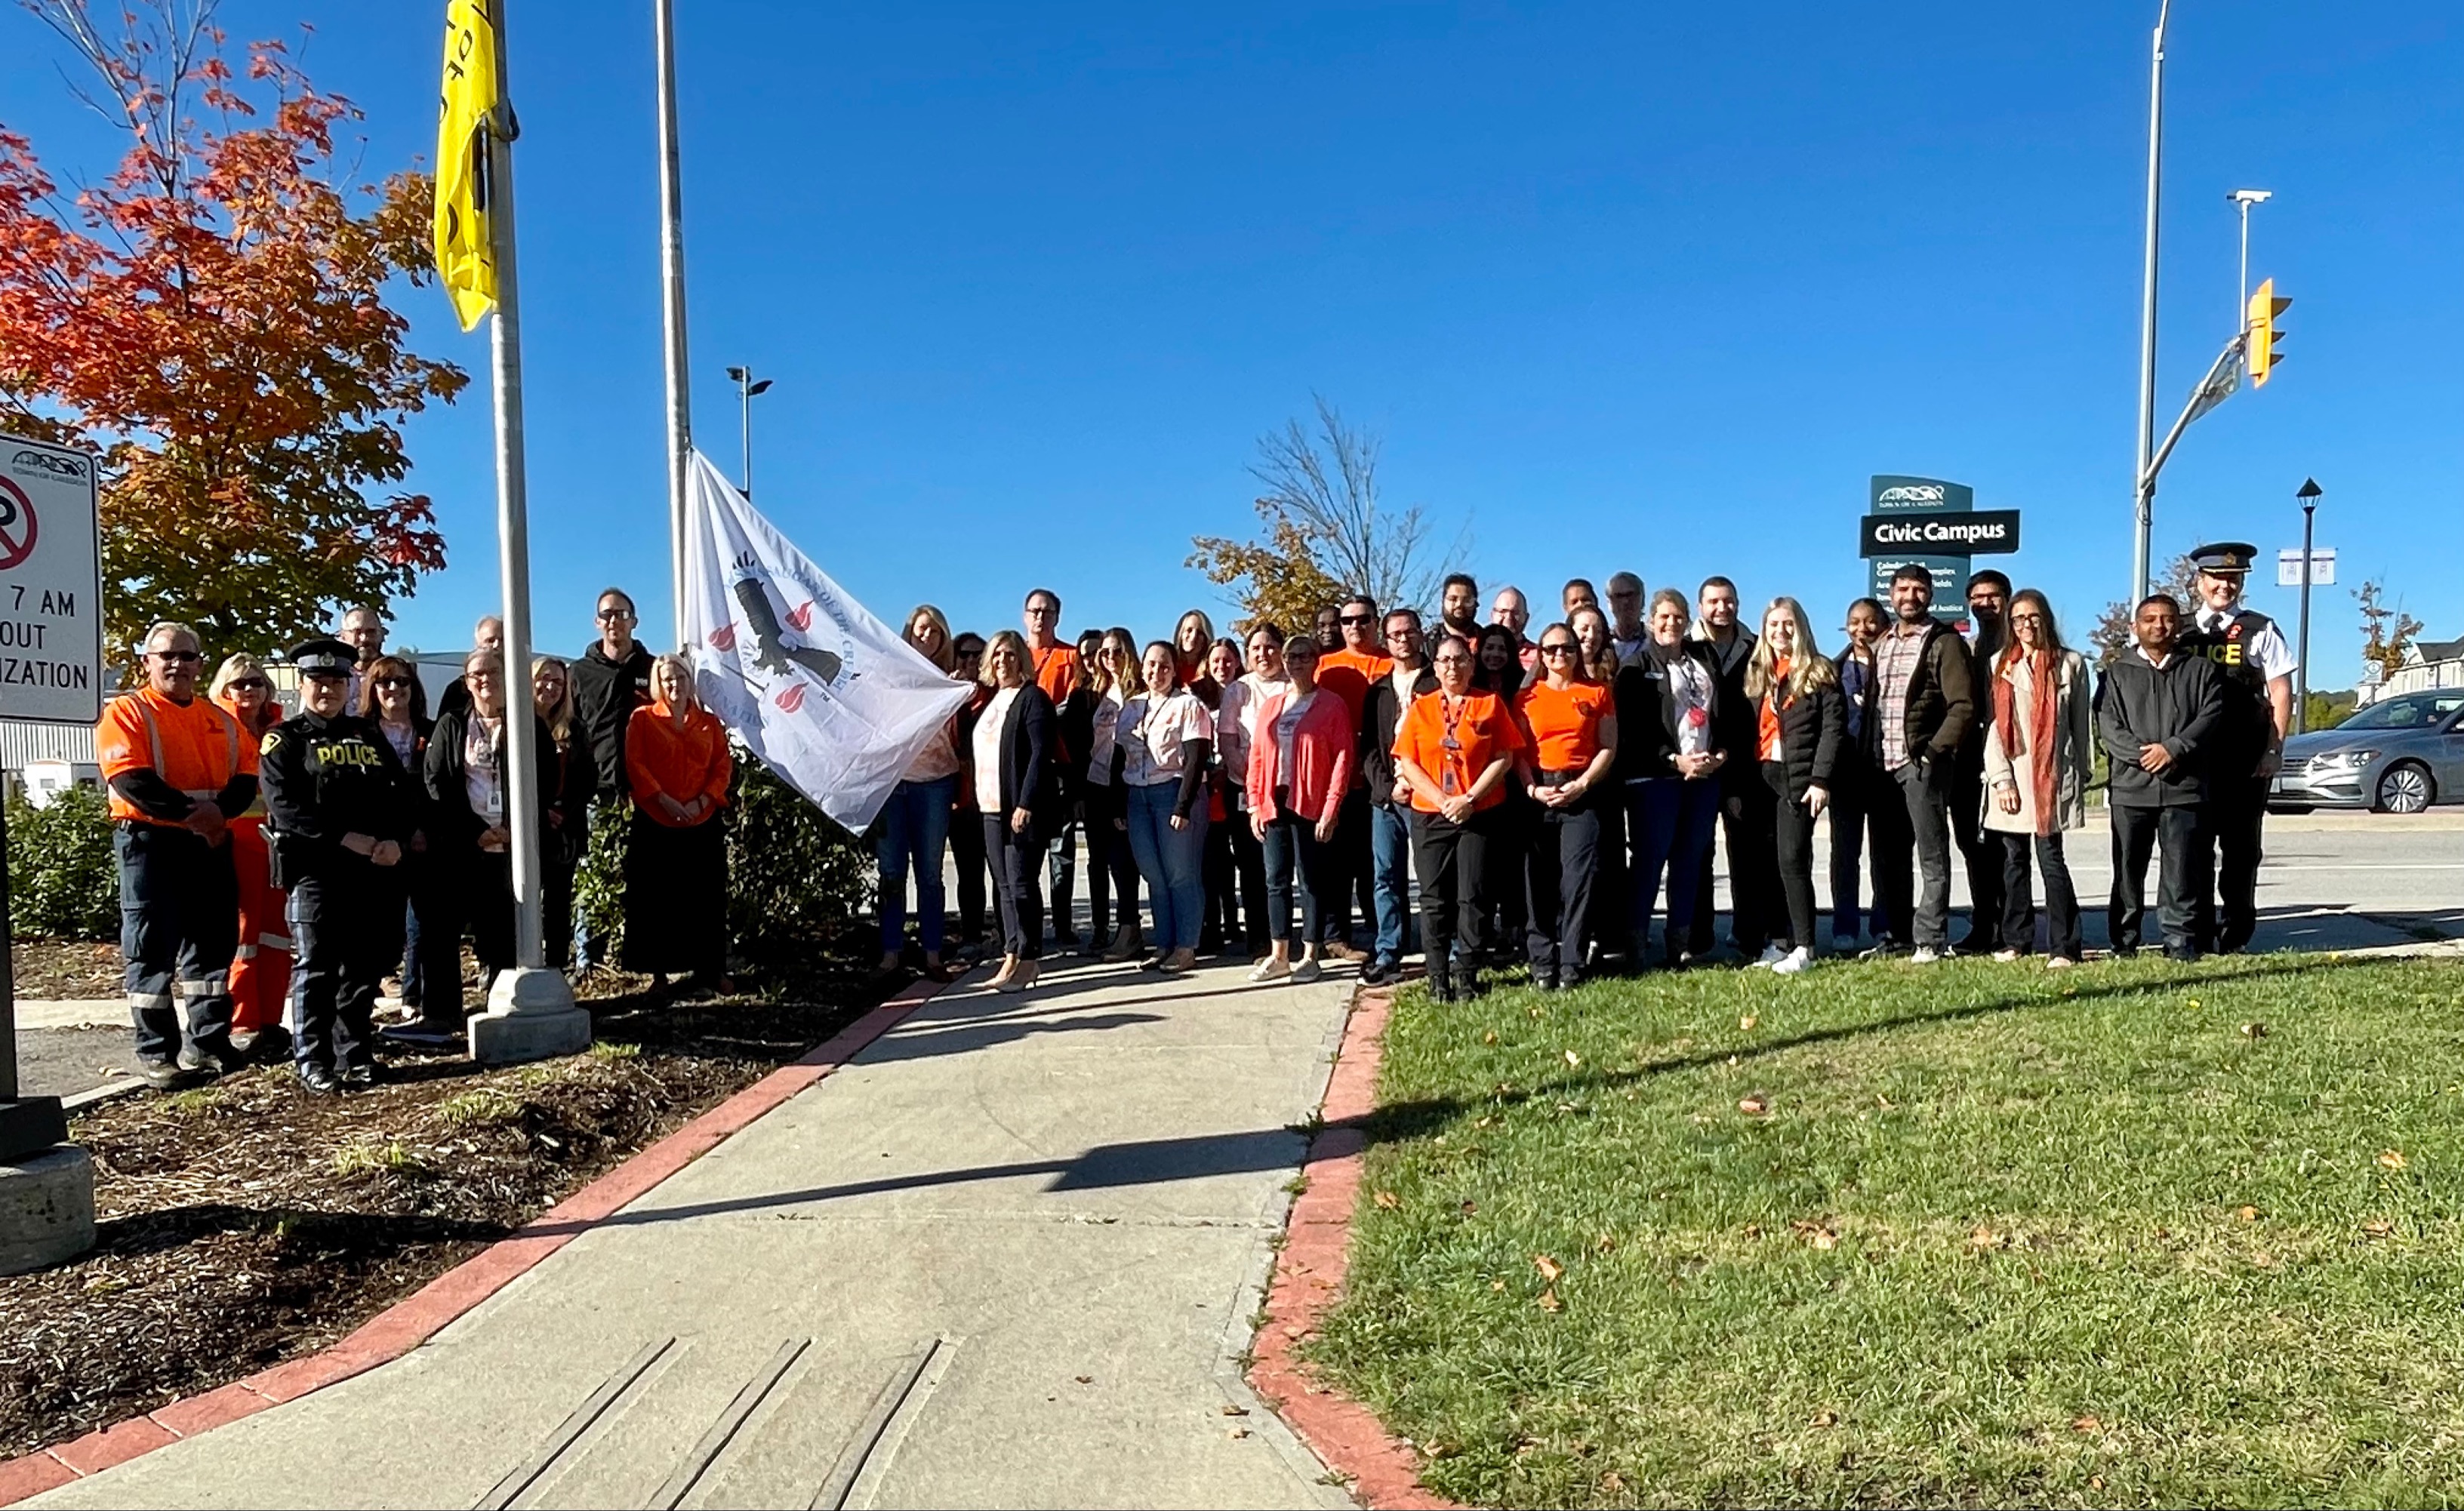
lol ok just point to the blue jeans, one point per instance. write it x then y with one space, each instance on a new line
1390 851
1669 825
915 827
1173 861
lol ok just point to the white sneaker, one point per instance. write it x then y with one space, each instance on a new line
1924 956
1270 969
1771 956
2006 956
1305 970
1790 963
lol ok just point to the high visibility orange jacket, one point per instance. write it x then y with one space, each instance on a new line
191 752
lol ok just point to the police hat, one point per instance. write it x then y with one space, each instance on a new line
324 657
2224 558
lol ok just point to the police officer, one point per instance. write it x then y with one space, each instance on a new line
178 770
2258 668
338 811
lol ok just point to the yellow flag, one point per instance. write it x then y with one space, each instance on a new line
466 258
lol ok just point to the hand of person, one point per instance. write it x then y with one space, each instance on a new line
1549 796
1019 819
1257 827
1402 793
1326 827
1455 809
2269 763
1179 822
1816 798
493 840
1121 824
555 818
207 820
387 852
2154 757
673 809
2007 797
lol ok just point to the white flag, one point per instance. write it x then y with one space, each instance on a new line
833 700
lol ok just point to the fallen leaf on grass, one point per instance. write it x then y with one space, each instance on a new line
1753 1107
2087 1424
1817 1234
2378 1227
1387 1199
1607 1241
1549 1269
1085 1379
1882 1102
1230 1409
1497 1286
1471 1206
1826 1419
1549 1302
1611 1482
2254 1030
2391 1159
1489 1038
1573 1059
2194 1002
2248 1214
1985 1237
1748 1020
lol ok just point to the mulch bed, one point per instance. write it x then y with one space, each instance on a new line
66 969
246 1223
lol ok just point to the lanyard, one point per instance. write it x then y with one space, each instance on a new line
1454 773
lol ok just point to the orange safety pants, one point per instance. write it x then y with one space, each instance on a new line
260 972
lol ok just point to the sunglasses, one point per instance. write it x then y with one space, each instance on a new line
250 684
1359 619
176 657
1558 650
614 616
393 682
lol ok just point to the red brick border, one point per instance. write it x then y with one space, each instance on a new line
1383 1470
421 1315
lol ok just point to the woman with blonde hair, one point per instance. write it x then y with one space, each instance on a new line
916 821
1193 636
470 838
260 972
1113 871
1016 778
2039 751
568 804
1800 722
678 767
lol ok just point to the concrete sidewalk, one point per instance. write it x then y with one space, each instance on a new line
1007 1257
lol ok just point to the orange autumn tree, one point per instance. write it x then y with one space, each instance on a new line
212 318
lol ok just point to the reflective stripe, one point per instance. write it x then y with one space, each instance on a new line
246 951
281 942
230 743
150 1001
208 986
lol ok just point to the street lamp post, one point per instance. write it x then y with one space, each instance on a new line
2142 478
2245 198
746 388
2308 494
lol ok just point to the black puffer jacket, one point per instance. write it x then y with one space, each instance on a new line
1813 739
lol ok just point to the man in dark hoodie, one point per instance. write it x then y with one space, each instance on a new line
2159 713
611 680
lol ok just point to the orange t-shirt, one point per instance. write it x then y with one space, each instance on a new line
1766 725
1563 727
1349 675
1056 671
684 763
196 747
1481 729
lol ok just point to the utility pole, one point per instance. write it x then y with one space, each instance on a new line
746 388
671 304
2246 198
2143 477
2309 496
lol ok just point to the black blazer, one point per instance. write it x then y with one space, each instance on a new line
569 799
1648 717
456 827
1382 714
1030 761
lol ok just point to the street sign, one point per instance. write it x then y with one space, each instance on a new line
51 584
2323 566
1930 497
1980 532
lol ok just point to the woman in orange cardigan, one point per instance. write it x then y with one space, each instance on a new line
675 853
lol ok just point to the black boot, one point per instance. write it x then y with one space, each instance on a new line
1468 984
1442 985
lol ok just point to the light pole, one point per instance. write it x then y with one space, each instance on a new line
746 388
2308 494
2143 479
2245 198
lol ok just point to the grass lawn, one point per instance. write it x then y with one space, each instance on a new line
1889 1235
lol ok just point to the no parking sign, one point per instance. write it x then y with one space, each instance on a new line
51 584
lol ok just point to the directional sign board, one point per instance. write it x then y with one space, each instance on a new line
2322 567
51 584
1914 501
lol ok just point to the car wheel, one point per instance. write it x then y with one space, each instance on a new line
2406 788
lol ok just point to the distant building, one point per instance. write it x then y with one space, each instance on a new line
2429 665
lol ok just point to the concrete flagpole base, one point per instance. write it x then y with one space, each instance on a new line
531 1016
46 1208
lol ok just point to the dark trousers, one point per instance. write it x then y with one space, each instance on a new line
1452 860
1219 925
676 900
179 928
1292 849
1061 862
432 936
1015 887
1977 846
2019 906
2182 900
1919 820
1112 871
555 904
1606 922
1792 876
1249 870
1747 840
967 852
1669 823
2235 814
1507 827
1561 857
1353 878
340 952
1852 805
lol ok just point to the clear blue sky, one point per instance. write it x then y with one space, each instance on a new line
1653 287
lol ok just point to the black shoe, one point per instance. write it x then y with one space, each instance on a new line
1569 978
1467 983
210 1060
269 1045
1977 942
1442 982
2182 953
163 1075
1376 972
420 1035
317 1081
360 1077
1544 977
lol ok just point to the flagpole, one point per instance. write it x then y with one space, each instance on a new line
531 1011
672 280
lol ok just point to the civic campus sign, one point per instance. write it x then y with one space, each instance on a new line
1906 502
1988 532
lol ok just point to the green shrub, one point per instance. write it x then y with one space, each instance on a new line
599 886
63 882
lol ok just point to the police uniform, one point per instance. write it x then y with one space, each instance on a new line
179 894
2251 653
326 778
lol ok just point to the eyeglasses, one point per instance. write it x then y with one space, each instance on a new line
1037 611
1454 661
250 684
176 657
1558 650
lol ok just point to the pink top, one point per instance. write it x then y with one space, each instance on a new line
1320 758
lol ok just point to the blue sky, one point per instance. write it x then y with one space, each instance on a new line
1638 286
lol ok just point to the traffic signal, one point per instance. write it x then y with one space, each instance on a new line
2263 353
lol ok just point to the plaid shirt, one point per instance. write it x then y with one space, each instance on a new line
1896 658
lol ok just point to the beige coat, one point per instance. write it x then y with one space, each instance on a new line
2074 756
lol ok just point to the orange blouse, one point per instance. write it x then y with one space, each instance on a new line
1564 726
1481 729
684 763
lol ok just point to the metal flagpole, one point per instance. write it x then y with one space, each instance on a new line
672 279
537 1000
2144 479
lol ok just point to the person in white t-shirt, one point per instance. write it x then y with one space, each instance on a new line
1163 741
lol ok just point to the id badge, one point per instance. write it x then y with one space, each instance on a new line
1447 783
